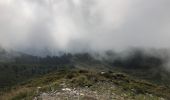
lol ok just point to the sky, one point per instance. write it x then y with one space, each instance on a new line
44 27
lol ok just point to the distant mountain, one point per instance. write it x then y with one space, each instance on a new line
8 56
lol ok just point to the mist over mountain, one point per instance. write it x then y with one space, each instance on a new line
48 27
84 49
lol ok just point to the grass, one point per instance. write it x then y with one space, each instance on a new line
18 94
124 84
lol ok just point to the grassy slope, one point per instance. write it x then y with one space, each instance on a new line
87 72
125 86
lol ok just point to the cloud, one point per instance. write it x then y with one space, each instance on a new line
38 26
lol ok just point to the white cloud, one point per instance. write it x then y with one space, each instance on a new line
83 25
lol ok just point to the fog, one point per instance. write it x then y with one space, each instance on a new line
43 27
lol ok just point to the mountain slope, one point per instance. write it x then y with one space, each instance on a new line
74 83
84 77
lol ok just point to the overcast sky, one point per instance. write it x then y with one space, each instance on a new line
38 26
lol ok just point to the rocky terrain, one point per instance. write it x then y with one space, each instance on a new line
87 85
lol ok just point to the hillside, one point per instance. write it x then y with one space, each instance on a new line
86 85
82 76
